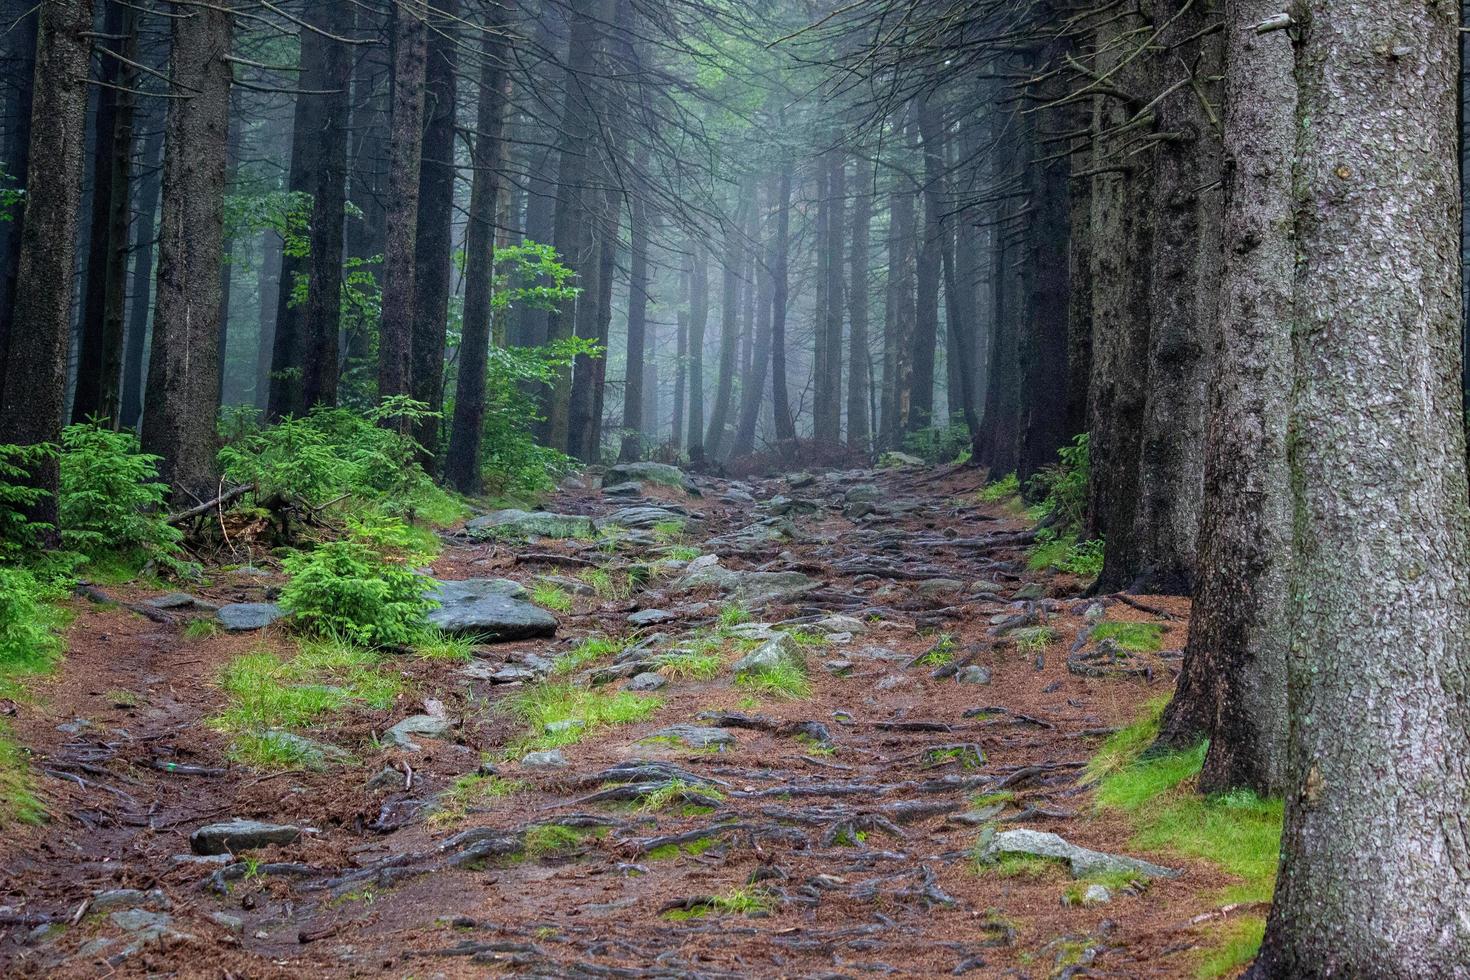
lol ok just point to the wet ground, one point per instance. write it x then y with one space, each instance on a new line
827 835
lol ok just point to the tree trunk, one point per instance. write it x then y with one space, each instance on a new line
928 270
183 367
698 318
1375 851
1121 236
462 463
780 297
405 157
145 233
1185 268
753 383
633 421
99 361
1233 686
33 403
898 317
433 246
20 57
859 433
718 438
681 366
828 409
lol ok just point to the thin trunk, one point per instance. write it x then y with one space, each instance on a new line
99 360
829 414
753 382
145 233
698 318
270 296
433 245
33 403
898 317
183 368
462 462
1376 850
681 366
928 269
780 297
718 436
633 379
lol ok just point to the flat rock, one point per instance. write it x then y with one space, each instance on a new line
623 490
647 472
651 617
241 617
779 650
425 726
489 609
933 587
838 667
513 674
973 674
180 600
746 585
694 736
750 536
240 835
891 459
115 898
548 759
1082 861
863 493
527 523
647 681
642 517
881 653
310 752
839 624
781 506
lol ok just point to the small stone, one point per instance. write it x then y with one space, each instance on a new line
240 835
548 759
227 921
623 490
513 675
426 726
1095 612
973 674
523 524
893 682
863 492
838 667
1096 895
241 617
839 624
1082 861
129 897
694 736
562 727
779 650
141 920
892 459
934 587
1033 590
647 681
651 617
74 726
387 778
985 585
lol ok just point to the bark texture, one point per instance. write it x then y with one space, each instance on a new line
183 365
1375 874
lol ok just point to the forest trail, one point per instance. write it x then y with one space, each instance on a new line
830 835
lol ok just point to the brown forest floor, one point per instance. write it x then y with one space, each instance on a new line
906 899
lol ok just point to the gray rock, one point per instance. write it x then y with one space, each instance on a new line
750 536
513 675
425 726
1082 861
387 778
647 681
240 617
1096 895
647 472
623 490
863 493
573 585
935 587
798 480
178 600
736 497
114 898
524 524
779 650
753 631
746 585
142 921
838 624
227 921
549 759
694 736
892 682
240 835
484 609
568 725
985 585
651 617
1031 591
838 667
881 653
892 459
973 674
642 517
780 506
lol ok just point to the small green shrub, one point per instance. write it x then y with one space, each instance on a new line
551 596
1002 490
1138 637
940 444
783 680
18 801
690 664
201 629
1062 487
17 533
348 588
561 714
111 501
587 653
29 643
1034 639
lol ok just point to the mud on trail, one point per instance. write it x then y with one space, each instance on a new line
832 834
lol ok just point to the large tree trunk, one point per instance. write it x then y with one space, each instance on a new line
1121 236
367 235
898 317
99 361
434 244
33 402
780 297
1185 277
21 22
405 157
462 463
1376 852
753 383
1233 686
1043 340
145 233
183 367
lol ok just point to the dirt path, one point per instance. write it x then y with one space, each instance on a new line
824 836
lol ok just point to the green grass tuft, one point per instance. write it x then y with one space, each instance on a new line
1138 637
733 614
739 901
552 597
691 664
587 653
454 804
1001 490
553 704
693 848
18 800
1240 941
201 629
784 680
433 644
547 840
673 792
681 552
1034 639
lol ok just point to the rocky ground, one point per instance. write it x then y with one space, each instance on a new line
832 703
